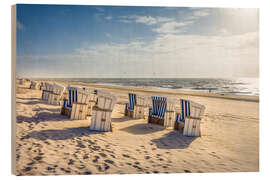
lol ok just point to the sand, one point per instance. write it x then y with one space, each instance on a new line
48 143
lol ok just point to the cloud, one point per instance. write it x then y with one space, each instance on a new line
100 9
148 20
198 13
172 27
20 26
108 17
108 35
168 55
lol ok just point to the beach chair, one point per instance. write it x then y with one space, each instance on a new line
92 101
46 90
76 104
189 118
34 85
102 111
56 94
135 107
162 111
21 81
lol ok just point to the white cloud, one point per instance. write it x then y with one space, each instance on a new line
108 35
185 55
198 13
108 17
172 27
20 26
148 20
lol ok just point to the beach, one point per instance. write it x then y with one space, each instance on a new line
48 143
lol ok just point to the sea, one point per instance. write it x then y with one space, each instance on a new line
241 86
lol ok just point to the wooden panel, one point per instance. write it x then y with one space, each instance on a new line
78 111
192 127
100 121
169 119
138 112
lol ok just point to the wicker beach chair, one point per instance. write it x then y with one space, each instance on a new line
102 111
56 94
76 104
46 90
21 81
189 118
135 107
162 111
34 85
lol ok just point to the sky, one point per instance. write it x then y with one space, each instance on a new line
64 41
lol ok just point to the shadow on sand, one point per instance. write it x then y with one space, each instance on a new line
43 117
142 128
173 140
61 134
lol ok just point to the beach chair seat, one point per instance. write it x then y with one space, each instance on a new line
34 85
136 106
56 94
162 111
46 90
102 111
189 118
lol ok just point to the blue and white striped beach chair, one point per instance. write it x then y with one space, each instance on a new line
189 117
77 103
135 107
162 111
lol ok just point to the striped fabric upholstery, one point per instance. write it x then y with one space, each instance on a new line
184 110
159 106
132 101
72 97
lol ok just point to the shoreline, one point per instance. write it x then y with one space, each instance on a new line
248 98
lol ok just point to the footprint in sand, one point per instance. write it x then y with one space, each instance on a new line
85 156
99 168
103 155
26 169
137 167
106 166
38 158
187 171
71 161
81 166
109 161
112 155
96 159
65 170
147 157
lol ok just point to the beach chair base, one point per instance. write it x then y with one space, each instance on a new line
129 113
191 127
66 112
54 99
168 121
101 120
137 113
155 120
79 111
